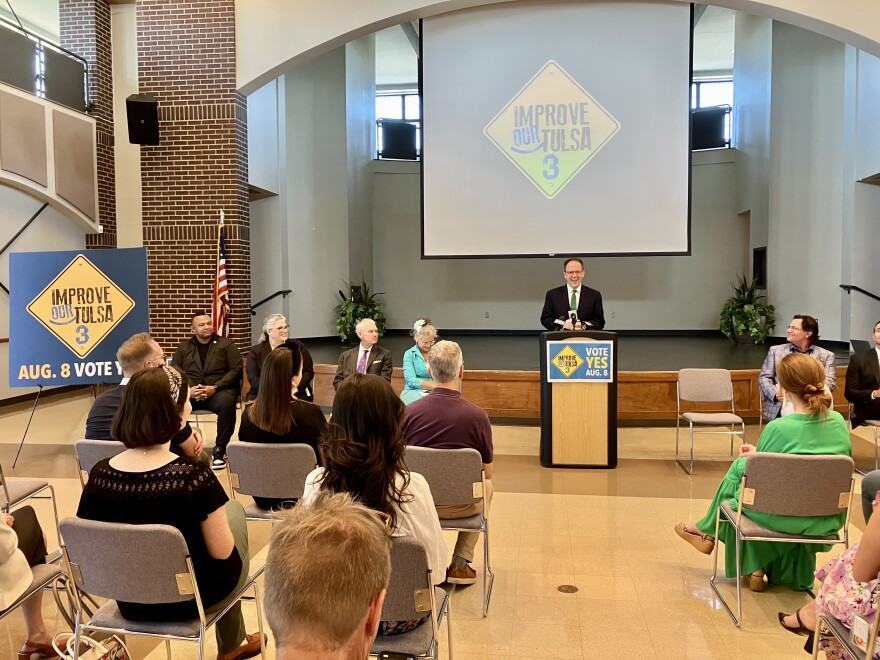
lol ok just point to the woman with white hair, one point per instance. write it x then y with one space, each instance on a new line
415 368
275 333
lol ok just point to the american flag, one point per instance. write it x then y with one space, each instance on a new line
221 307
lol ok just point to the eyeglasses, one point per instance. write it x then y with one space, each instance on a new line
574 272
385 518
282 327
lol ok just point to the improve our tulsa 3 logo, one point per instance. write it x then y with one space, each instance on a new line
551 128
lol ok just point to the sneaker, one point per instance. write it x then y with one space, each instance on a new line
218 460
456 575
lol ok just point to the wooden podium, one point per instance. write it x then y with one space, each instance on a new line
579 399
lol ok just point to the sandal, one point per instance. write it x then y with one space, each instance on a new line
800 630
701 542
31 648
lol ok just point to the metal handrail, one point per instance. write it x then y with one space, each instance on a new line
43 41
849 288
283 293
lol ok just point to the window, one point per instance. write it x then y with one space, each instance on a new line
396 108
714 93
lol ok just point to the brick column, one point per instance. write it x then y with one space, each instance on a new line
85 30
186 59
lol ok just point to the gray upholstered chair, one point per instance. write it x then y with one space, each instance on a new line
827 626
785 485
44 575
17 492
91 452
706 386
455 477
138 564
268 470
411 595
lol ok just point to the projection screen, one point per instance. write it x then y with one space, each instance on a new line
556 129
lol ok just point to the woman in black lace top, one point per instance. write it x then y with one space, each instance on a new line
147 483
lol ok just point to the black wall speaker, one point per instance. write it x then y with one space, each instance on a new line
707 129
143 119
398 140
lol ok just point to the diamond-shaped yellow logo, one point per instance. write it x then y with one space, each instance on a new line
551 128
567 361
81 306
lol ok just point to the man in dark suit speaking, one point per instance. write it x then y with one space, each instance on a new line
863 382
573 297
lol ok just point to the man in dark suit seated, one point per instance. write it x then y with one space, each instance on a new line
863 382
863 392
212 365
137 353
367 358
574 296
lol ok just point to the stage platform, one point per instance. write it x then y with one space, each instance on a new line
502 377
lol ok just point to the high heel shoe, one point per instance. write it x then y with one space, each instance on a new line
30 648
800 630
755 581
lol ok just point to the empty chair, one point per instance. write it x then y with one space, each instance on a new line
706 386
268 472
91 452
793 485
456 477
411 596
147 564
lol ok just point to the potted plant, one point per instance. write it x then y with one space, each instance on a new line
360 303
745 317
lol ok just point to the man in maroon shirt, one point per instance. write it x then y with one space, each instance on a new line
444 420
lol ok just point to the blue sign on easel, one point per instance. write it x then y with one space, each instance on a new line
70 311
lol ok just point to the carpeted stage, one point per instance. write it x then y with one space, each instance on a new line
501 371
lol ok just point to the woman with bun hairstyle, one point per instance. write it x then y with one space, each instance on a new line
813 428
415 368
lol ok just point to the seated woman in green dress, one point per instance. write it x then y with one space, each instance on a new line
415 369
813 429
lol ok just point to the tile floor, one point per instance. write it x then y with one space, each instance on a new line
641 592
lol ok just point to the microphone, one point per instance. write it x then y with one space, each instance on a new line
572 316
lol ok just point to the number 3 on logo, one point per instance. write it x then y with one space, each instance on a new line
82 334
552 170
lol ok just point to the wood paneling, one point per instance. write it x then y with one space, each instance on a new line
580 424
640 394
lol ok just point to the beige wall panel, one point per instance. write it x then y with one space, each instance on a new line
75 161
23 138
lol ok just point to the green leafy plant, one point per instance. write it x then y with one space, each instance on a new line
745 314
360 303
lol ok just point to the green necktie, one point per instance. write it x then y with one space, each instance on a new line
574 301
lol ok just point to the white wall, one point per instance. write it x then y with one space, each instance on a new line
316 183
129 219
360 112
657 293
804 251
49 231
751 122
279 33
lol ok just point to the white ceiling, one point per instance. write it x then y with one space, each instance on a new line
40 16
397 66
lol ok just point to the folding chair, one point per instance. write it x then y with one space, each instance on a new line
827 627
706 386
268 470
16 493
410 596
785 485
91 452
44 575
456 477
138 564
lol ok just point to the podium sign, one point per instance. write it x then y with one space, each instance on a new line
579 399
580 362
